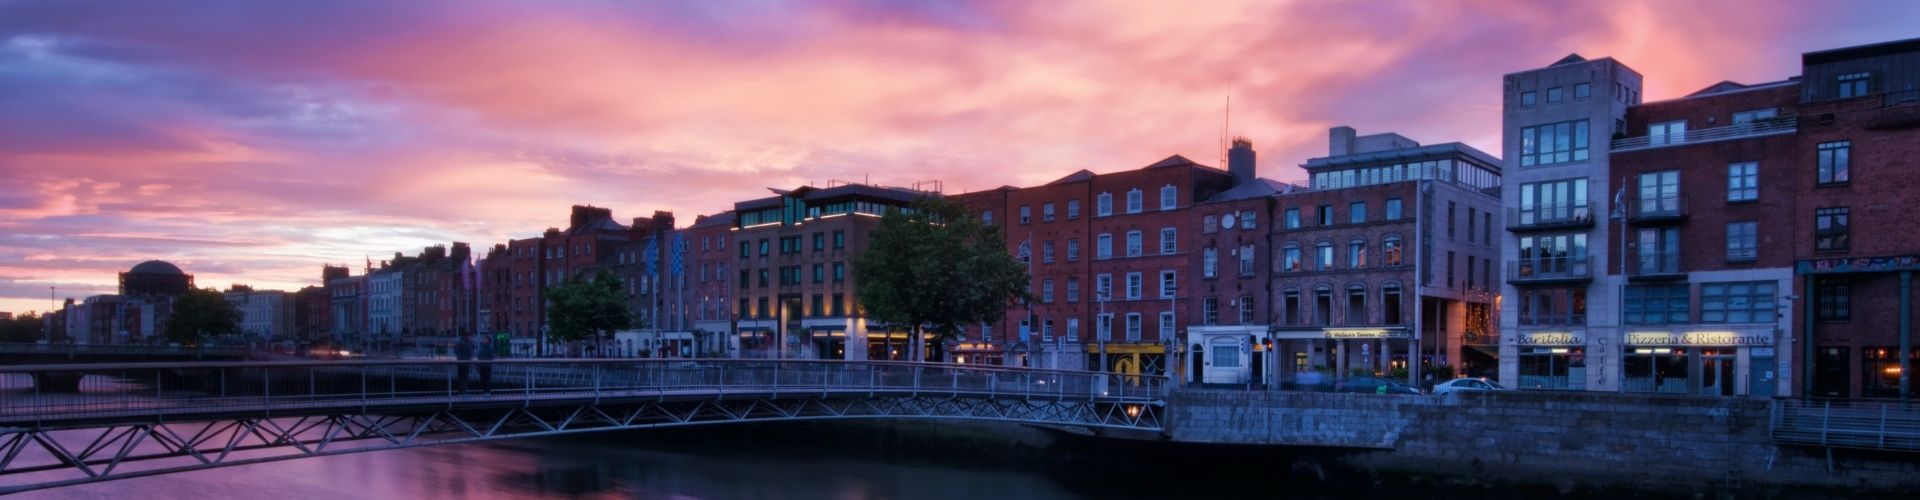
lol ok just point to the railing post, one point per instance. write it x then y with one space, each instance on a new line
596 380
1826 416
1883 426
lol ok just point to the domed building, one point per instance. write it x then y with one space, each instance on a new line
155 277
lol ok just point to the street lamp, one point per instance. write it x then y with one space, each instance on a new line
1105 327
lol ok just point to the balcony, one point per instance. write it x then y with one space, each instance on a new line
1658 210
1656 266
1757 128
1547 271
1551 216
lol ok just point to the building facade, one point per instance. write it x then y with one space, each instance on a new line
265 315
1381 259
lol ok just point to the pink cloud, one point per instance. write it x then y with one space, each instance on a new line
255 141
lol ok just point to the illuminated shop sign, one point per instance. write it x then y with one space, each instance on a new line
1705 338
1550 338
1364 333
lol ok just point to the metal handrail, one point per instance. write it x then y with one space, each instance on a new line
1765 126
1874 425
150 390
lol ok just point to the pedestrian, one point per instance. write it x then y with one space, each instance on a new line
463 351
486 366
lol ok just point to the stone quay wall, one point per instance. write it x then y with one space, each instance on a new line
1568 438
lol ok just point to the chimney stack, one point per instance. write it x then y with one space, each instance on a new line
1240 161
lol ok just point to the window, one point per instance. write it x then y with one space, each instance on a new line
1133 201
1553 255
1554 95
1046 330
1290 307
1393 209
1486 228
1246 260
1553 143
1073 290
1210 311
1553 306
1659 251
1073 250
1746 117
1103 204
1073 212
1103 246
745 278
1660 193
1743 181
1073 329
1169 284
1582 90
819 273
1103 326
1046 212
1133 286
1527 98
1835 300
1326 215
1323 306
986 217
1246 309
1469 272
1133 243
1743 241
1553 202
1357 212
1357 254
1853 85
1246 219
763 247
1390 305
839 272
1168 241
839 240
1209 262
1209 224
1450 260
1046 252
1830 228
1473 215
764 273
1452 208
1356 305
1133 327
746 249
1656 304
1166 325
1046 291
1834 162
1323 256
1390 251
1741 302
817 307
1290 258
1103 287
1293 218
1169 197
1026 214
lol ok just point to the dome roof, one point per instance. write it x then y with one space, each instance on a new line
157 267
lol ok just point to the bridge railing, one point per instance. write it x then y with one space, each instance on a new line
120 350
1872 425
51 394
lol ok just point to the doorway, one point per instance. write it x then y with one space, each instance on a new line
1716 372
1830 373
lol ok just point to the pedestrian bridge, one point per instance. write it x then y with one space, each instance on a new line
139 419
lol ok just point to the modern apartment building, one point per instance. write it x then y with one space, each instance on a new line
1383 256
1559 318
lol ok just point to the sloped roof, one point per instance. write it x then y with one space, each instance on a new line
1570 59
1082 175
1723 86
1171 161
1259 188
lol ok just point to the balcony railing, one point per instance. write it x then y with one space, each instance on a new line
1564 319
1768 126
1662 209
1742 254
1549 216
1657 265
1549 270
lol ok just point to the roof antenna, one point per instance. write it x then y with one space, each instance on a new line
1226 120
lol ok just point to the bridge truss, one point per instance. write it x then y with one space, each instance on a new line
103 435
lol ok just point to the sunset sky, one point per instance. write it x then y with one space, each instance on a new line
252 141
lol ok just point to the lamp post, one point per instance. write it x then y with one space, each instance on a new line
1104 327
1173 330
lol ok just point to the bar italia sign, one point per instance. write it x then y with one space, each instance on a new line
1713 338
1550 339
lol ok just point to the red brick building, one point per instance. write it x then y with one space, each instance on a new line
522 270
711 287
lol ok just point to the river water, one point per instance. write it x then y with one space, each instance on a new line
820 460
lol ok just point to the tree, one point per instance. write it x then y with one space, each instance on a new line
582 309
933 267
199 314
24 328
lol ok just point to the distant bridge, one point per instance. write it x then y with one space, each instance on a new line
140 419
21 353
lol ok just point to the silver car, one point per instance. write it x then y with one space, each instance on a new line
1467 384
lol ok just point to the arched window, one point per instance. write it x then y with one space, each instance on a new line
1323 256
1356 304
1290 258
1390 250
1390 304
1357 254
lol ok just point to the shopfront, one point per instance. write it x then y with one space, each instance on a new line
827 342
1129 359
977 353
1551 360
1235 354
1716 362
1310 355
757 342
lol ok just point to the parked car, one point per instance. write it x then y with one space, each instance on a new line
1467 384
1374 385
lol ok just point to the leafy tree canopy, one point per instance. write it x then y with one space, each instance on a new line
581 309
199 314
933 266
